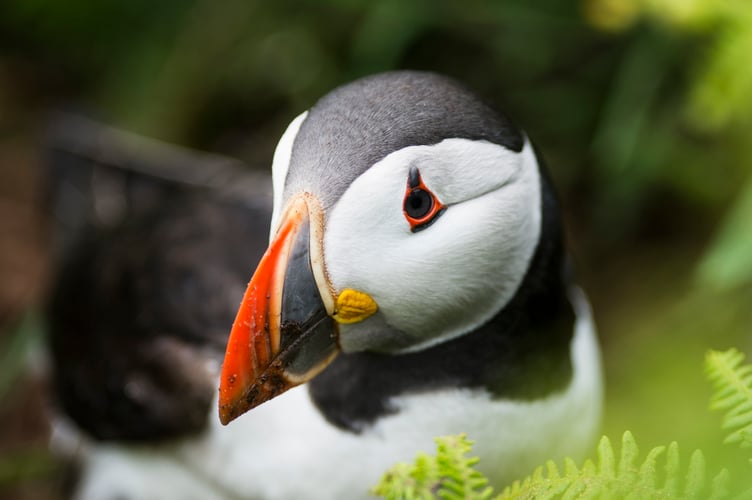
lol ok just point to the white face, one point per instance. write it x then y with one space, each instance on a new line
450 277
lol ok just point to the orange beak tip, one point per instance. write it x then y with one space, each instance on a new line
229 412
225 417
234 400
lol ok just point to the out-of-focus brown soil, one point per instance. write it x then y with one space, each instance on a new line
26 469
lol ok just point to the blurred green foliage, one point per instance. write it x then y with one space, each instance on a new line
633 101
715 111
14 351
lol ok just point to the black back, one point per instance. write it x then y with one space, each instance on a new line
148 278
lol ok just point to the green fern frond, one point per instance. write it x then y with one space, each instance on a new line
621 477
732 382
449 475
459 480
409 481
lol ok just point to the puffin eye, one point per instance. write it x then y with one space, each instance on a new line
418 203
421 207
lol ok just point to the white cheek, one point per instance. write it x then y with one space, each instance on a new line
281 164
452 276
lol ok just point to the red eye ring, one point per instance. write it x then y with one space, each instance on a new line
420 205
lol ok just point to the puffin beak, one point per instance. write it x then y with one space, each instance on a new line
286 332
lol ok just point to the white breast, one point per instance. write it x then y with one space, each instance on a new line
284 449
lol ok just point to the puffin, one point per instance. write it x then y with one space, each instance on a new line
416 284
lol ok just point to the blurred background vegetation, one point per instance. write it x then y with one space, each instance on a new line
642 108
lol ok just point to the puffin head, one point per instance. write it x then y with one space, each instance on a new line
406 213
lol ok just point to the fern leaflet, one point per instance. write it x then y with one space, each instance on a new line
732 382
